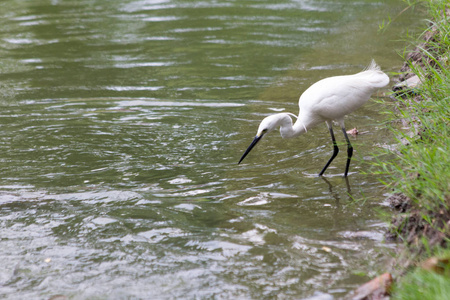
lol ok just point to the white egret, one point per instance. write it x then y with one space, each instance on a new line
327 100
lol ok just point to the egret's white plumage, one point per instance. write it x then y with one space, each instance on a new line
327 100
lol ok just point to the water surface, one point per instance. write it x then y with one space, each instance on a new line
121 126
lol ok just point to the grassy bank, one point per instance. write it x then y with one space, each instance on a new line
420 172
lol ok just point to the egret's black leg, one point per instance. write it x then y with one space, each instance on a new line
335 149
349 151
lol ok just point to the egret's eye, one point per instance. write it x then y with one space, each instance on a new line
264 130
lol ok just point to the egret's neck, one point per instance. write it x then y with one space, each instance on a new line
302 125
287 130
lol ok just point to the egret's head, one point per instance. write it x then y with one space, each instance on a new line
267 125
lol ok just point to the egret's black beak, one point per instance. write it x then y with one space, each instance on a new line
253 144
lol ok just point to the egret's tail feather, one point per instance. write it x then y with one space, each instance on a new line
374 76
373 66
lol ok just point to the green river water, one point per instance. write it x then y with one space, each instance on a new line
122 123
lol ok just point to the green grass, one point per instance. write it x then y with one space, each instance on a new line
420 168
423 285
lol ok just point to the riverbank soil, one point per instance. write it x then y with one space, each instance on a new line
409 225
